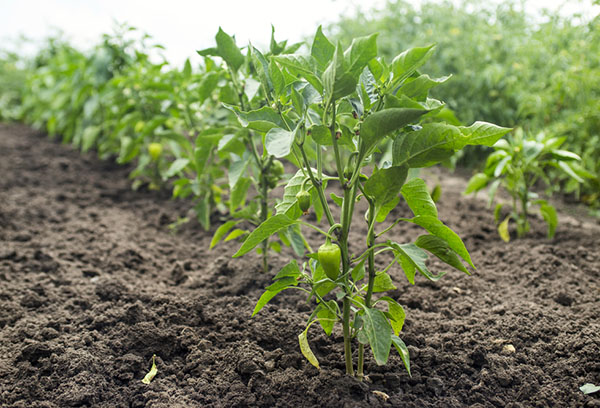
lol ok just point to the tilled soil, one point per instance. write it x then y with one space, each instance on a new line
93 283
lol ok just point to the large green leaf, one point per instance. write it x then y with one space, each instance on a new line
396 313
228 50
437 228
385 184
278 142
299 65
411 259
440 248
482 133
361 51
419 87
322 50
418 199
263 119
432 144
405 64
378 331
271 226
382 123
337 79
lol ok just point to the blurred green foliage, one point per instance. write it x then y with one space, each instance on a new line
508 67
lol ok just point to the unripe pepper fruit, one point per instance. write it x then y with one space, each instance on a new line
303 198
330 256
155 150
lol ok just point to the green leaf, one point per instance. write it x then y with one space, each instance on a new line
378 331
361 51
437 228
476 183
278 142
237 196
503 229
263 231
176 167
436 193
396 313
405 64
549 214
236 169
418 199
290 270
442 250
483 133
221 231
236 233
380 124
419 87
326 317
272 291
227 50
564 166
497 211
90 134
263 119
403 351
383 283
564 155
337 80
305 349
276 78
411 259
322 49
432 144
385 184
305 67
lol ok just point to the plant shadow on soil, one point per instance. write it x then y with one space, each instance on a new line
92 284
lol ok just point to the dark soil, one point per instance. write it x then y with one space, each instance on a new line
93 283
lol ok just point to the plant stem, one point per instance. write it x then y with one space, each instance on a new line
371 282
318 185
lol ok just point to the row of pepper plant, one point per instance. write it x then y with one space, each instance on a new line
220 135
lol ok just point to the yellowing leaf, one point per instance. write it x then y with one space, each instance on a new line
305 349
503 230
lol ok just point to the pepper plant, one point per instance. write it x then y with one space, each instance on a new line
344 104
518 163
249 167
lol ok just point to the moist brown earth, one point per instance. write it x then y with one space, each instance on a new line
93 283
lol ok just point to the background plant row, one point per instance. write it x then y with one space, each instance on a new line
117 100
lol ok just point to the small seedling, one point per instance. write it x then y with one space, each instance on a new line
518 163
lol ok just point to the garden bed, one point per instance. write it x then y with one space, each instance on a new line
93 282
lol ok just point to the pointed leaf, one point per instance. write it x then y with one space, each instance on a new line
272 225
278 142
382 123
418 199
378 331
442 250
403 351
305 349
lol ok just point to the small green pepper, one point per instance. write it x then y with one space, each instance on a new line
303 198
155 150
330 256
277 168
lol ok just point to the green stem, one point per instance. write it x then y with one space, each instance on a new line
371 282
317 184
336 149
